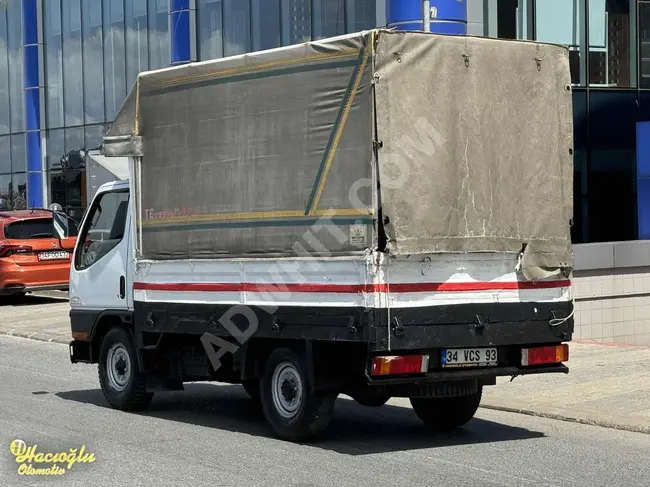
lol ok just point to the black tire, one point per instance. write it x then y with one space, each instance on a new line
293 414
252 388
128 392
445 414
370 400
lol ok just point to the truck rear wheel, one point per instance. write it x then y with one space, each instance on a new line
120 377
291 410
445 414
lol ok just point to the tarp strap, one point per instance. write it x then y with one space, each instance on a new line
337 131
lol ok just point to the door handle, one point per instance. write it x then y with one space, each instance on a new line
122 287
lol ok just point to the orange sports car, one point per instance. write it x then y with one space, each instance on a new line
35 250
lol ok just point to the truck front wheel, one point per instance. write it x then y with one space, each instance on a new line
120 377
291 410
445 414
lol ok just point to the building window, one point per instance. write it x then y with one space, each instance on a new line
93 73
296 21
612 44
137 40
114 56
237 22
210 23
15 53
266 24
644 44
5 118
329 18
72 63
158 34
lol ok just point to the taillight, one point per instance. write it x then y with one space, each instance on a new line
545 355
9 250
400 365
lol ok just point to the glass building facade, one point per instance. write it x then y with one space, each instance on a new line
67 65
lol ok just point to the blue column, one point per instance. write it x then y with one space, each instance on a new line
448 16
643 179
32 86
182 15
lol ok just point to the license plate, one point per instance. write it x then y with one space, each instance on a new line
53 255
468 357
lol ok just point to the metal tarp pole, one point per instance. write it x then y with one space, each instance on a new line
426 15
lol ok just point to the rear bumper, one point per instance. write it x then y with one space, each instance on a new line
19 279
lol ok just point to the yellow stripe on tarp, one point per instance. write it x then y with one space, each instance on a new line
250 69
339 133
261 215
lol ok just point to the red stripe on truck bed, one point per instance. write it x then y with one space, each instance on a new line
350 288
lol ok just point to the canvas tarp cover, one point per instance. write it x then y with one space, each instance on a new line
256 154
477 140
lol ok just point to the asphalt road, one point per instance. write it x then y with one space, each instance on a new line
214 435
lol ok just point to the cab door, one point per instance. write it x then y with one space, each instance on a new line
99 268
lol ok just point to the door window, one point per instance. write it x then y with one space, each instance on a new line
103 229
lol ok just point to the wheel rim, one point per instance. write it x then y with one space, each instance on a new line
118 367
286 388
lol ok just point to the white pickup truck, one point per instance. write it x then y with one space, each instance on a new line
381 215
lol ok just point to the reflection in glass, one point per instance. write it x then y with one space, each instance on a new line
329 18
210 29
53 63
74 139
266 24
67 188
19 191
114 56
93 65
158 34
55 148
644 44
15 52
361 15
5 188
611 58
5 122
558 22
237 21
137 46
5 154
72 63
296 21
93 136
18 156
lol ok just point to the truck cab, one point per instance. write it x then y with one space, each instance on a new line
99 275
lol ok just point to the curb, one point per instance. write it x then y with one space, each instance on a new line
63 339
634 425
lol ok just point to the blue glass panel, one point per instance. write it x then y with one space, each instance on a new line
401 10
34 196
32 109
643 204
33 151
30 22
643 149
179 5
180 37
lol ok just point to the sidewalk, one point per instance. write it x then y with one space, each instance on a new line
38 317
608 385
